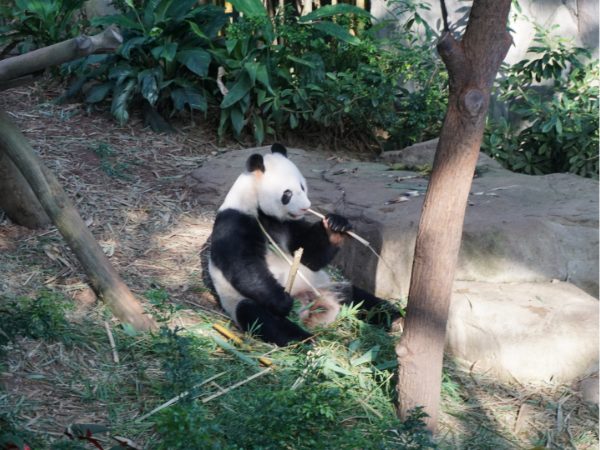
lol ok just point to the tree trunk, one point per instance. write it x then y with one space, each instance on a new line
472 66
103 278
56 54
17 199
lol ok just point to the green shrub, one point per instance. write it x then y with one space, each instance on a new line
553 104
163 59
36 23
38 318
323 76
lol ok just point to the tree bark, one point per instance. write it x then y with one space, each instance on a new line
104 279
18 66
17 199
472 66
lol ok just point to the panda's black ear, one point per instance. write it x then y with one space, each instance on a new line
255 162
278 148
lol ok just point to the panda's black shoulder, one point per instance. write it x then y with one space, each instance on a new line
233 225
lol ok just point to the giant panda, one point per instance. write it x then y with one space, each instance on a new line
249 277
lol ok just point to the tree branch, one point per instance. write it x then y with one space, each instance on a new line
18 66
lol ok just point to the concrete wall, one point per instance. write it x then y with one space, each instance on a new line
578 19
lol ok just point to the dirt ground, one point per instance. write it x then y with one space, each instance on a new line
129 185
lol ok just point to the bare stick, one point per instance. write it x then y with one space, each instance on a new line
111 339
178 397
236 385
294 270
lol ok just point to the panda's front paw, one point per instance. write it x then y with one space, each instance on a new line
337 223
283 306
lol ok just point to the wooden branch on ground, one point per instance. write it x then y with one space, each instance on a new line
104 279
53 55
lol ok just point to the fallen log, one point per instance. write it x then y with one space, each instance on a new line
103 278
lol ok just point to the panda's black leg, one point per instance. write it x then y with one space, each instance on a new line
373 309
268 326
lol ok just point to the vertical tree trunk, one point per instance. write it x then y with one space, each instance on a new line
103 278
472 66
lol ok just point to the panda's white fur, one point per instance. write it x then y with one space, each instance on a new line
263 190
249 277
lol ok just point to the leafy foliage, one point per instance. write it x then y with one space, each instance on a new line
316 73
39 318
553 101
162 60
38 23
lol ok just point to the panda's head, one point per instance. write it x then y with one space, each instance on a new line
280 187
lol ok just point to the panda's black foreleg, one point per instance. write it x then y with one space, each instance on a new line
255 317
373 309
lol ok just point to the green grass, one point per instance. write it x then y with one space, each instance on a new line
338 393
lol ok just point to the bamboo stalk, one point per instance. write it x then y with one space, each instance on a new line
236 385
294 270
111 339
360 239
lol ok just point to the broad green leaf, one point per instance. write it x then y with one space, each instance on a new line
120 72
196 30
238 91
252 69
180 9
237 120
293 121
329 364
132 44
368 356
259 129
250 8
149 85
167 52
336 31
121 98
98 92
197 60
262 75
304 62
188 96
118 19
332 10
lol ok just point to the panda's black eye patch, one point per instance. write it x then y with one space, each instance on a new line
286 197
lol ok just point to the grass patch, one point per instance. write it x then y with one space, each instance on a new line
335 394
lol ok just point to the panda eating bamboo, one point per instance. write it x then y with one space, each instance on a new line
269 201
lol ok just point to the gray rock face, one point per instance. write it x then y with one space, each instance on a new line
519 230
545 332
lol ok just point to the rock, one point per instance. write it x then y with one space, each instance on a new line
589 389
518 228
529 332
422 154
528 243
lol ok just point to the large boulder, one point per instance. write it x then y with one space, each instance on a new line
546 332
518 228
525 301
